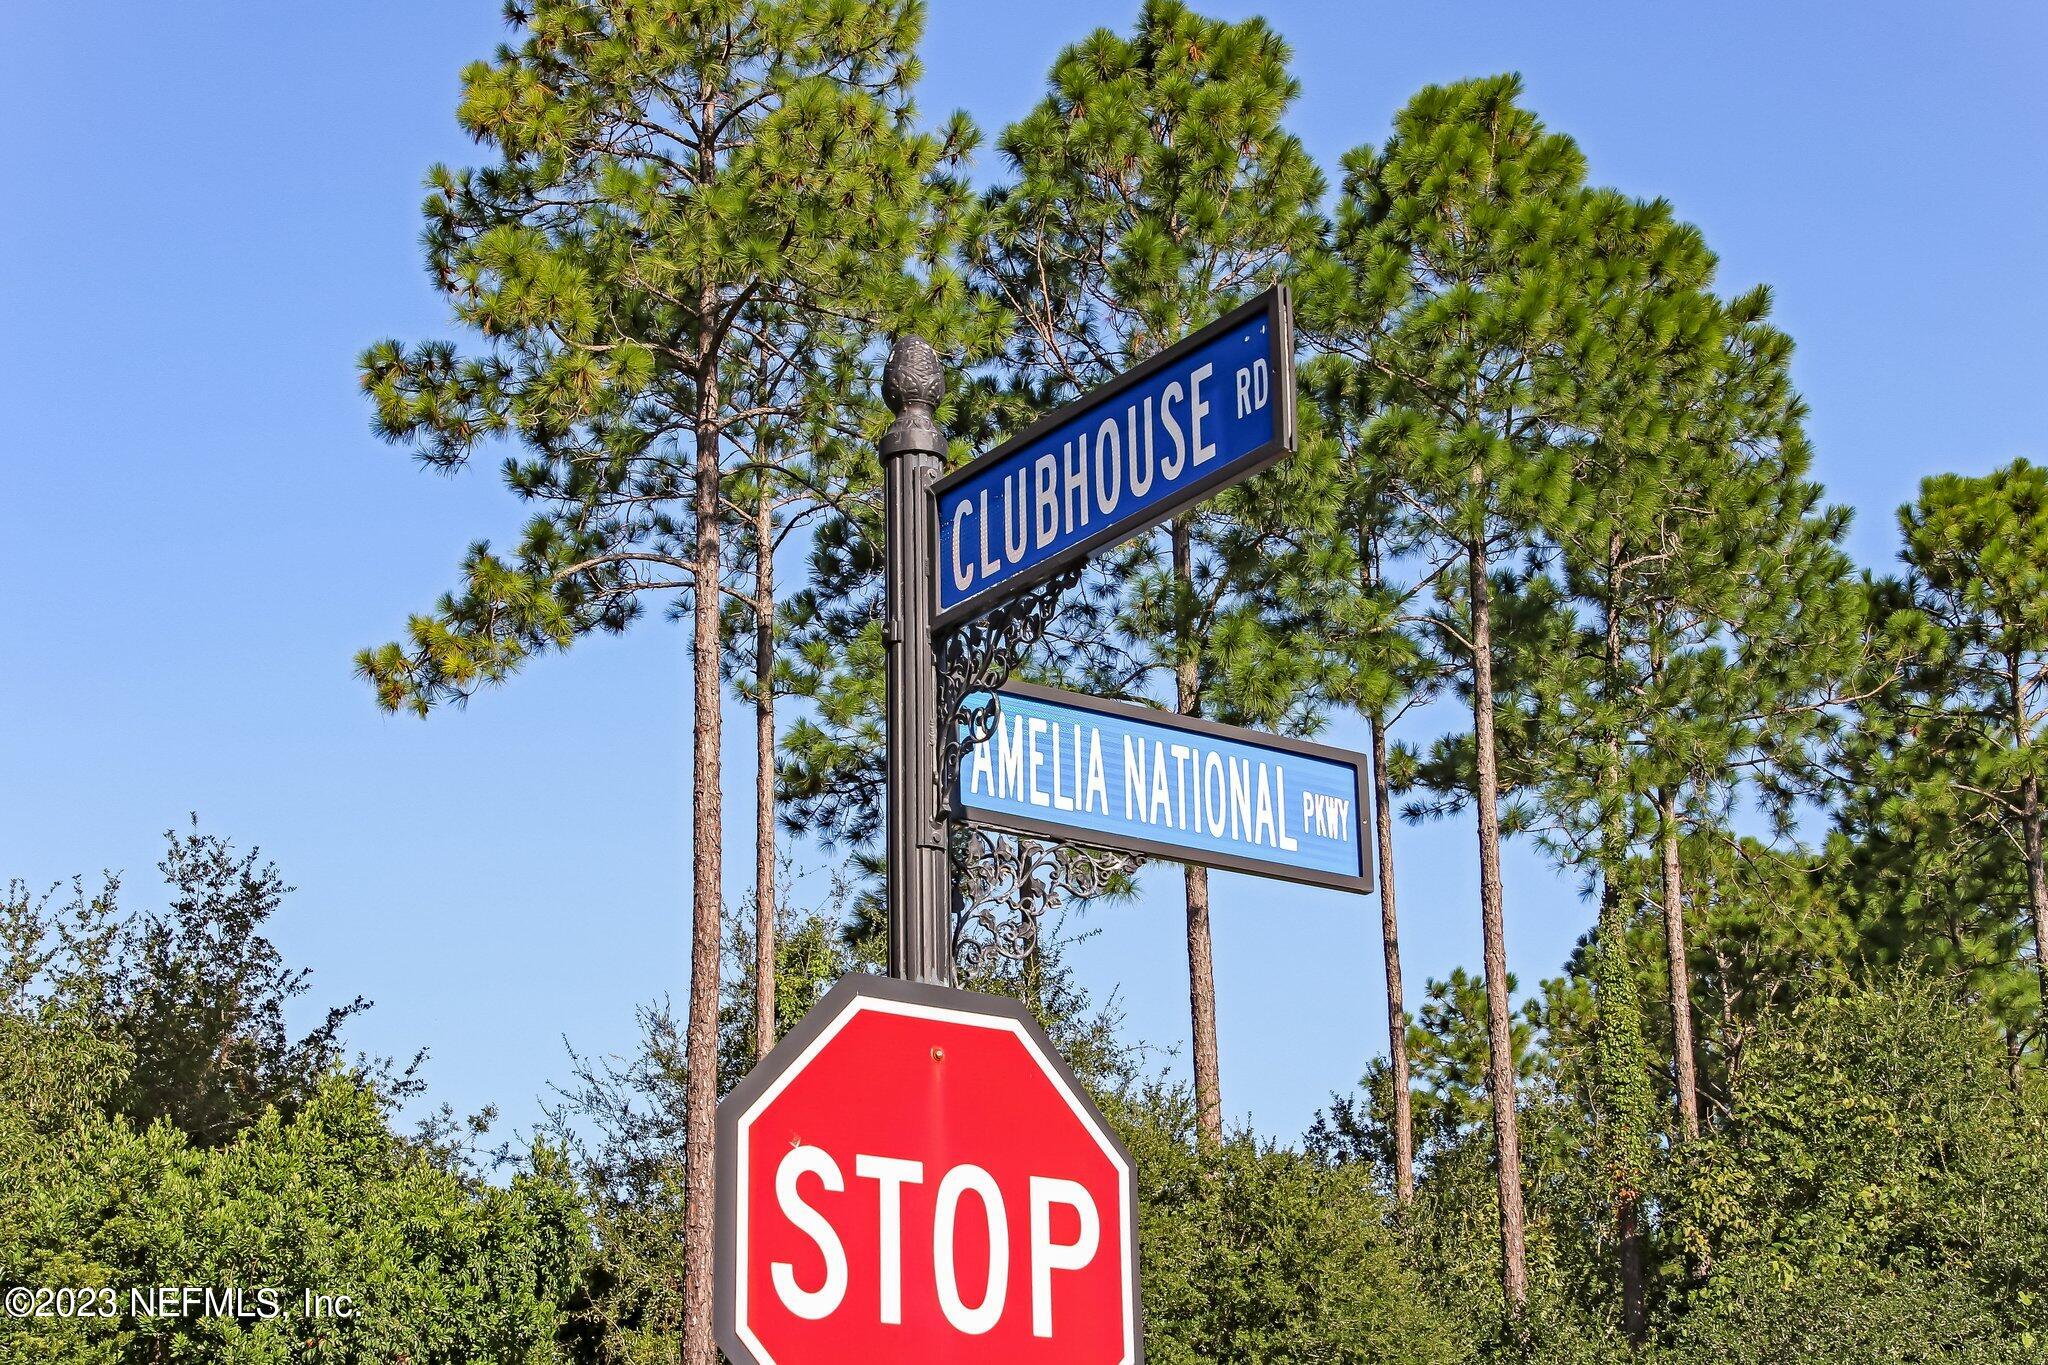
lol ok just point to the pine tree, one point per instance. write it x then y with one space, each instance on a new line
1632 478
670 183
1679 608
1473 287
1376 668
795 465
1951 763
1152 188
1753 636
765 537
1689 518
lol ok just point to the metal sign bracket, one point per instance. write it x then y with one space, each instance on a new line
978 656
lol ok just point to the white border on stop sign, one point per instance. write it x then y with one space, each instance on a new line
866 995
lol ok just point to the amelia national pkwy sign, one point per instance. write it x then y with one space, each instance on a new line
913 1173
1063 766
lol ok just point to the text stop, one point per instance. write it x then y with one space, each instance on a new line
913 1175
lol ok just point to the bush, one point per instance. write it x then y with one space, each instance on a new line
1879 1193
439 1267
1256 1254
291 1182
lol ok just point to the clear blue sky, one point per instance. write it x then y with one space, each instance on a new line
214 207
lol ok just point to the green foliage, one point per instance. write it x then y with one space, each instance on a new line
812 952
829 778
1596 469
439 1267
197 994
1152 188
1545 467
1873 1189
1764 933
191 999
1482 299
1450 1237
158 1127
1351 554
1879 1191
687 201
1942 829
1449 1050
622 1122
1447 1053
693 222
1980 549
1254 1253
54 975
1458 287
1087 1032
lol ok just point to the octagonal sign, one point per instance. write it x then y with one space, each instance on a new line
913 1174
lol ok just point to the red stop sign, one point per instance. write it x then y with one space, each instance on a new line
913 1174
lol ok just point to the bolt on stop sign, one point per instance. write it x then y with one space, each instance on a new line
913 1174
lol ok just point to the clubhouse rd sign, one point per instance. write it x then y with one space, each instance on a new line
1211 411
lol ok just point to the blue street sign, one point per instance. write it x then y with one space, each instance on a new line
1084 770
1216 408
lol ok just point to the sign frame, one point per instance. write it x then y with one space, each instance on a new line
791 1052
1276 307
961 809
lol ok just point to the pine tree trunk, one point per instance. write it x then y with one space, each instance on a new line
700 1091
1390 948
1628 1227
1686 1072
1625 1098
1201 951
2030 835
764 775
1625 1106
1500 1072
1202 1006
1625 1102
2037 891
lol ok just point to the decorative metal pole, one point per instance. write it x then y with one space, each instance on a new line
918 872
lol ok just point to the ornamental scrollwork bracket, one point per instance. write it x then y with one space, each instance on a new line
977 657
1007 886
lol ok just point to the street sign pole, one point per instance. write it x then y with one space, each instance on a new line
917 874
895 1099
